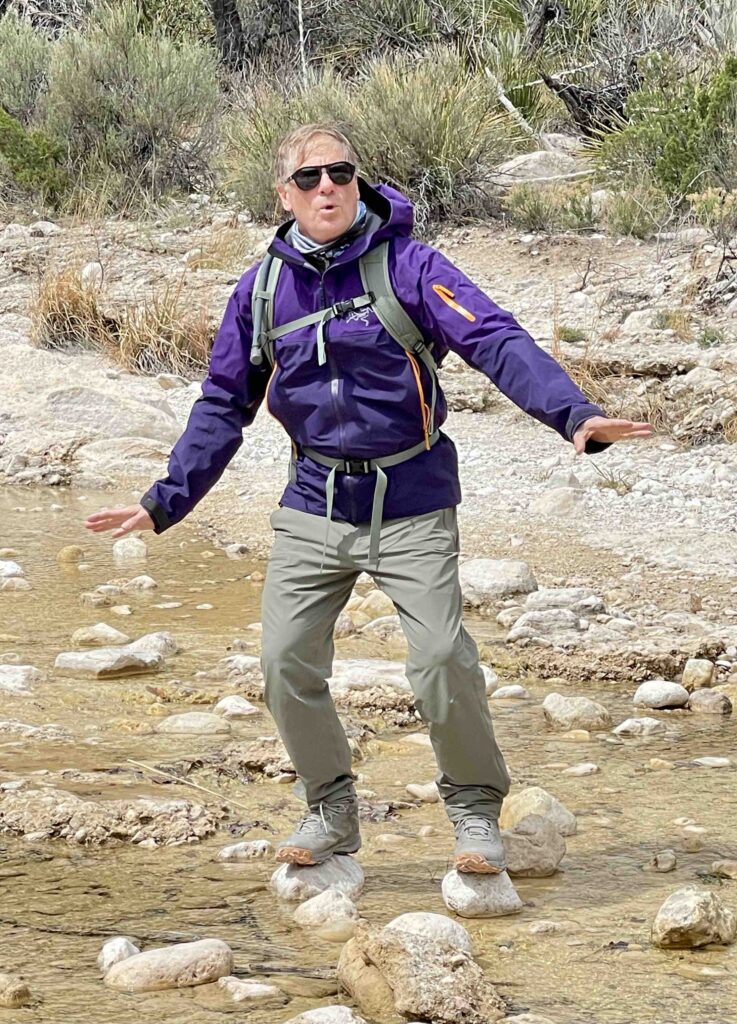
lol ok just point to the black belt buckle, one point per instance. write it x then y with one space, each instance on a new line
341 309
357 466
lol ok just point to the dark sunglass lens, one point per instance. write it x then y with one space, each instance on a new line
307 177
341 173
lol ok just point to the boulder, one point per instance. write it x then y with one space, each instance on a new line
659 693
107 662
486 580
581 600
331 914
191 963
471 895
433 926
294 882
115 951
534 847
692 917
541 168
19 678
698 674
197 723
99 635
639 727
366 985
106 414
575 713
710 702
536 800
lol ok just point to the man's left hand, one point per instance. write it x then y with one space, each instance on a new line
599 428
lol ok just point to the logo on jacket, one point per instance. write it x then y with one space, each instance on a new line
447 296
359 314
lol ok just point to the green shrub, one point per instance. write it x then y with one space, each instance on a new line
24 58
640 212
133 103
182 20
682 130
710 336
31 160
421 124
550 208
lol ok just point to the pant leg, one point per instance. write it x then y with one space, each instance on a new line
418 569
300 606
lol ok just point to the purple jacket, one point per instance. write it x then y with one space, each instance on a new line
364 402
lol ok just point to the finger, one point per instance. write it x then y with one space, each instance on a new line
579 441
126 527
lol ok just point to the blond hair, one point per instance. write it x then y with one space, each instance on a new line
293 146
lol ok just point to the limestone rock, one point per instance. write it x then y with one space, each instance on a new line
72 554
365 984
428 792
377 605
433 926
536 800
14 993
331 914
548 622
162 643
182 966
9 569
534 847
195 723
710 702
14 583
130 549
114 951
486 580
252 993
235 708
698 674
558 501
19 678
249 850
107 662
513 692
140 583
575 713
106 414
99 635
540 168
328 1015
639 727
293 882
480 895
365 673
581 600
659 693
692 917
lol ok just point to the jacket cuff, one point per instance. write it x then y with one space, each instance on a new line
577 418
160 518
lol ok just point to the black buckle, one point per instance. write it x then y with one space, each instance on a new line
346 306
357 466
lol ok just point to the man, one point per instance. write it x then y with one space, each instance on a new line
374 482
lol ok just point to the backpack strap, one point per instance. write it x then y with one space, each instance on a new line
262 309
394 318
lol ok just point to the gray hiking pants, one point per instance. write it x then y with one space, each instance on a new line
418 570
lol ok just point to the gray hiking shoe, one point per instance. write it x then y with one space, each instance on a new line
329 828
479 847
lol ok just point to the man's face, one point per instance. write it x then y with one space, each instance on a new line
327 210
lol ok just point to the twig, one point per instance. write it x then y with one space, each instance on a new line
508 105
194 785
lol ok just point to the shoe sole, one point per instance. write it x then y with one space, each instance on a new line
298 855
476 864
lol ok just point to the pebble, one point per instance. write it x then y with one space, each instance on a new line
639 727
712 762
130 549
419 739
70 555
99 635
586 768
725 868
663 861
254 993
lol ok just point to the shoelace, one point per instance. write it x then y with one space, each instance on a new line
312 822
476 828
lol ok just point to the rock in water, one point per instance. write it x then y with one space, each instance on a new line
534 847
293 882
235 708
698 674
19 678
659 693
575 713
191 963
130 549
100 635
198 723
536 800
433 926
331 914
107 662
328 1015
13 992
115 951
250 850
710 702
639 727
480 895
692 917
486 580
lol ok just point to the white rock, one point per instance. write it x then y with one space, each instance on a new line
433 926
235 707
365 673
13 992
712 762
534 848
114 951
513 692
99 635
249 850
162 643
130 549
328 1015
558 501
19 678
140 583
658 693
92 275
698 673
105 414
536 800
107 662
575 713
480 895
331 914
585 768
426 792
418 739
193 722
10 569
293 882
582 600
190 963
710 702
253 993
377 605
692 917
10 583
490 678
549 622
486 580
43 229
639 727
538 168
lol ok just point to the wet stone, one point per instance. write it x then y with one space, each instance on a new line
658 693
182 966
297 883
14 993
427 792
234 708
330 914
328 1015
639 727
253 849
698 674
130 549
513 692
107 662
536 800
252 993
663 861
471 895
710 702
575 713
99 635
433 926
534 847
114 951
194 723
19 679
690 918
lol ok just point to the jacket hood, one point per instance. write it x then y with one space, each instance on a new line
389 214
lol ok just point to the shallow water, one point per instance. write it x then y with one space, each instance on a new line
58 903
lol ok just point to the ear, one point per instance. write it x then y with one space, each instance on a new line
284 196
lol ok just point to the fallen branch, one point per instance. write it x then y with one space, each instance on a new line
194 785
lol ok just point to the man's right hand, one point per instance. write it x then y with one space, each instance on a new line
120 520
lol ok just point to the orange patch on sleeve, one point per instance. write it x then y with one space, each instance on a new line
447 296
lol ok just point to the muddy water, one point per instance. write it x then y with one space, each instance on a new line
58 903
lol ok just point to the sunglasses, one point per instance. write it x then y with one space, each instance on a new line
306 178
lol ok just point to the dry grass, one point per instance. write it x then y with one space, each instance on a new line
227 248
677 320
161 334
730 431
586 372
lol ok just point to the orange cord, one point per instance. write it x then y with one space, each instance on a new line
423 406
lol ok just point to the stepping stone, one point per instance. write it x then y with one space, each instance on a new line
470 895
298 883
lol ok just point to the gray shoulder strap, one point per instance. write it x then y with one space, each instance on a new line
375 278
262 309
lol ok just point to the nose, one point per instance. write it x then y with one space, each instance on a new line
326 185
